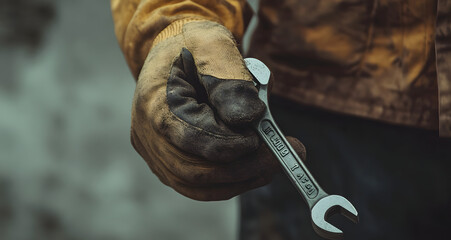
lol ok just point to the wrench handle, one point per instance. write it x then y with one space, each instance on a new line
291 162
320 203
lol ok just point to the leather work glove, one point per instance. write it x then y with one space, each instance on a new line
192 109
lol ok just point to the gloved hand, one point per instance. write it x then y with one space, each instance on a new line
192 109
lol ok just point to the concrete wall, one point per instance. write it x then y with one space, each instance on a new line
67 169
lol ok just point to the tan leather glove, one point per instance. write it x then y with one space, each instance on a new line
192 109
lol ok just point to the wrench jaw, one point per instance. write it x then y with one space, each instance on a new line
262 75
259 70
327 207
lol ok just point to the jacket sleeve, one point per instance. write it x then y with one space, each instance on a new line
138 22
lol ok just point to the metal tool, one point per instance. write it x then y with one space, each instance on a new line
321 205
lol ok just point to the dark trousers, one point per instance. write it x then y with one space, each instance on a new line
398 178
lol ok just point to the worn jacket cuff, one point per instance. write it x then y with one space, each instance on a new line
173 29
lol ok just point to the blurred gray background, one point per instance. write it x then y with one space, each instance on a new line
67 169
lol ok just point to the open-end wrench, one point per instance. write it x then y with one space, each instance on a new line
321 204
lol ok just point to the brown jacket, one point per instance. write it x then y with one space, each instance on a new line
388 60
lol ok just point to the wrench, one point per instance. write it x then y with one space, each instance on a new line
321 204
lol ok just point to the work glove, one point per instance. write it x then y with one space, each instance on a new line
192 112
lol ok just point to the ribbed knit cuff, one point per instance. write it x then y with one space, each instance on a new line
173 29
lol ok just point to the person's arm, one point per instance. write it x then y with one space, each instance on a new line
195 100
138 22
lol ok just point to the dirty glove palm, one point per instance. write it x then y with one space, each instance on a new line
192 109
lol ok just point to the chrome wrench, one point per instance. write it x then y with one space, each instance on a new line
321 204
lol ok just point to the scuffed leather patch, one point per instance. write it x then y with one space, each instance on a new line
205 105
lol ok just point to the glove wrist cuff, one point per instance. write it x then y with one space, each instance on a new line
173 29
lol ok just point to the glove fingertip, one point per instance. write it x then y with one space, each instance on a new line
237 102
186 55
242 114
